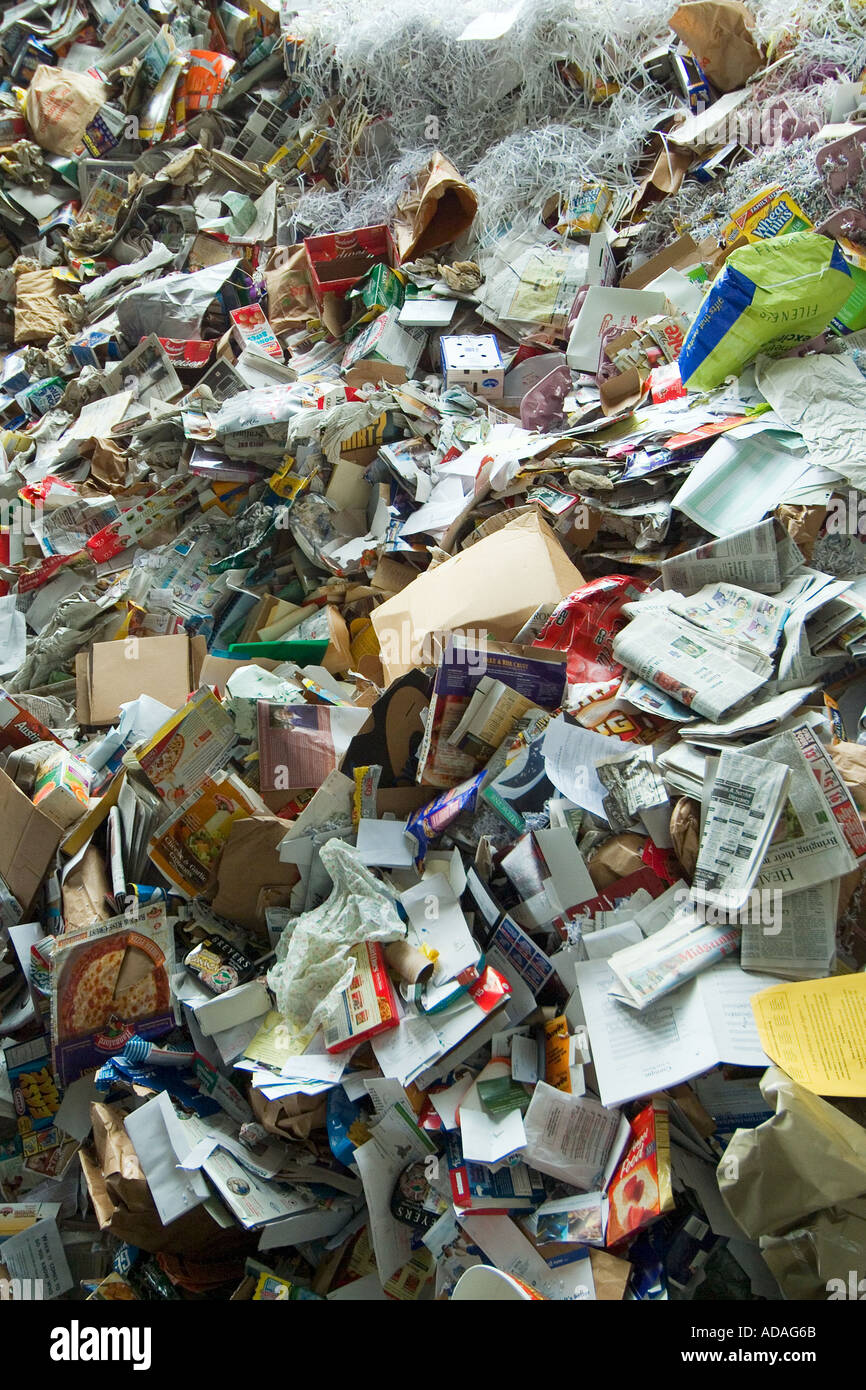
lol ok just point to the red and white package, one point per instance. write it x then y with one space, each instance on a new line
585 623
368 1006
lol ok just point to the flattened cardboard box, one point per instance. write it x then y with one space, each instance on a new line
111 674
28 842
493 586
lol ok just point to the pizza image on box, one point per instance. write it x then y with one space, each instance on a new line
108 983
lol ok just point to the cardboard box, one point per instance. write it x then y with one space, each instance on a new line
337 260
473 362
114 673
494 586
680 255
390 352
251 329
18 727
28 843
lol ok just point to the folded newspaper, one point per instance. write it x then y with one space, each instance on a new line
686 946
743 802
687 663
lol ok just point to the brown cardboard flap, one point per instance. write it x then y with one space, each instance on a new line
493 586
28 842
114 673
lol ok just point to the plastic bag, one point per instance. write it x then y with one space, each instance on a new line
585 624
769 297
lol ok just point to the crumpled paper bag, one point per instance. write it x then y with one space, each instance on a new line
60 106
123 1202
719 33
816 1261
797 1184
802 524
686 833
618 857
291 302
434 211
314 955
293 1117
37 307
850 759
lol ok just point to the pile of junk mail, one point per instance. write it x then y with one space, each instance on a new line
432 650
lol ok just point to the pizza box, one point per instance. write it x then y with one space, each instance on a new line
111 674
110 983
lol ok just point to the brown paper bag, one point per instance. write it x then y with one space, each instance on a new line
802 525
251 875
719 33
290 299
37 309
618 857
60 106
122 1201
294 1117
686 833
84 891
436 210
107 462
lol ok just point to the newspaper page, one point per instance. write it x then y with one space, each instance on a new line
686 663
763 714
635 789
820 835
805 596
744 802
749 557
686 946
796 939
735 615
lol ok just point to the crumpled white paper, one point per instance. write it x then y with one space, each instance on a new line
314 962
821 397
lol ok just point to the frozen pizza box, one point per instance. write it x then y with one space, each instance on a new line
193 744
109 983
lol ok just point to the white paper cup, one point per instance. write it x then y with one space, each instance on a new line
485 1284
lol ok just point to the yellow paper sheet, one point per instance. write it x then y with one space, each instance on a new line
815 1030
